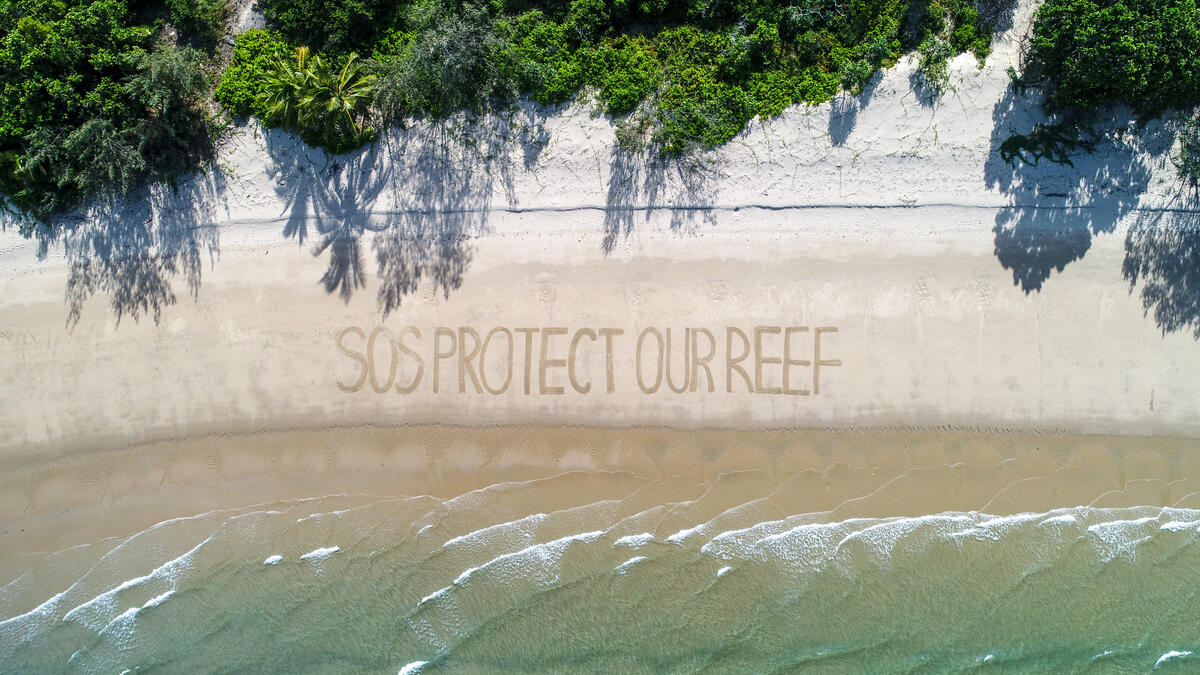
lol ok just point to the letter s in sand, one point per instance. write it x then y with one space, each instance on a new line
357 356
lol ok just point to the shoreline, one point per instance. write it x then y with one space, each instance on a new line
79 499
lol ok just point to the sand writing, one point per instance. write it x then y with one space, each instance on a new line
556 360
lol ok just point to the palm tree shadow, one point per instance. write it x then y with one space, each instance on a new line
423 193
343 211
336 196
292 167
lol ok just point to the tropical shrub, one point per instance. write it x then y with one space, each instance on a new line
255 52
330 25
203 20
85 79
855 75
697 70
933 64
625 71
456 62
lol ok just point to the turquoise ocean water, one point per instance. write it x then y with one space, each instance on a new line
587 573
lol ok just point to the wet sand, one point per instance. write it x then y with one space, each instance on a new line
86 497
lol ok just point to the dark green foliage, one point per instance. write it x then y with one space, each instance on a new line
856 74
1091 54
697 105
932 64
171 85
90 106
548 69
203 20
324 102
625 71
586 21
59 62
333 25
1088 56
456 62
695 71
84 85
167 81
93 158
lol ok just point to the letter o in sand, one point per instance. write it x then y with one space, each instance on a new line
483 361
379 389
658 375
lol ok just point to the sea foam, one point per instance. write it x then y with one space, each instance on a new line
628 564
634 540
320 554
1171 656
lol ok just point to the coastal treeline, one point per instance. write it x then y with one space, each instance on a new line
97 98
678 75
101 96
1091 57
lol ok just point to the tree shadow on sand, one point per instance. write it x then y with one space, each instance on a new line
334 197
132 250
685 186
845 107
1055 209
1162 253
422 193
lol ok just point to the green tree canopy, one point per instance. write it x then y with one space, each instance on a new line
90 105
1094 53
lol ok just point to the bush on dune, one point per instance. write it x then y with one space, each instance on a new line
1091 54
455 62
202 20
84 78
325 103
255 53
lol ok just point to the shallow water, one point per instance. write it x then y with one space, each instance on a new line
612 572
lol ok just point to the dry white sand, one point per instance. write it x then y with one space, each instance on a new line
966 293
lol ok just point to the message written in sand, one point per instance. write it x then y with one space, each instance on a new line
548 361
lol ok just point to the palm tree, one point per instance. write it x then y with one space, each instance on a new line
336 102
285 84
324 106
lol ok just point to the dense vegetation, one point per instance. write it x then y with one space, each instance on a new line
1091 56
680 75
100 96
95 101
